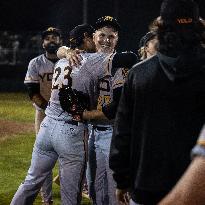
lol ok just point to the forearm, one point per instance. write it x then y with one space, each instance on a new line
35 96
39 101
191 187
73 56
94 115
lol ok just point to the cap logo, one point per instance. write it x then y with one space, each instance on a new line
184 20
108 18
50 29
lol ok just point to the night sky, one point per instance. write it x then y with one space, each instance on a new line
133 15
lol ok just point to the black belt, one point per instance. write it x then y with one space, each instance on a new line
100 128
72 122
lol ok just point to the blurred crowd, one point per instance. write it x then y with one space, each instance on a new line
19 47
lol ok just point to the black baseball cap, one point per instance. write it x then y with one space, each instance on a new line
179 11
107 21
147 37
51 30
77 34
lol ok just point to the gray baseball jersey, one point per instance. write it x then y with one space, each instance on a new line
85 78
40 70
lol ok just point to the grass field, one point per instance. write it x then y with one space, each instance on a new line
16 143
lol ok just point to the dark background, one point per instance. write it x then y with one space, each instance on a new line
23 19
133 15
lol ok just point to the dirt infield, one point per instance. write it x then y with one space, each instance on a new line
9 128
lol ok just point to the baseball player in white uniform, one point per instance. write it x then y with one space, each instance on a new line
38 81
100 181
60 137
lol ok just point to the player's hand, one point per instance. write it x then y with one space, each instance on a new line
74 57
122 196
61 52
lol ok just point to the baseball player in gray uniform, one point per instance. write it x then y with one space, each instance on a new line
59 136
103 192
105 39
38 82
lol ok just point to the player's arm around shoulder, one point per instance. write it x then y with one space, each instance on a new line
72 55
93 115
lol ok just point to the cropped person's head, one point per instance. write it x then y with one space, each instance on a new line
178 28
148 45
82 37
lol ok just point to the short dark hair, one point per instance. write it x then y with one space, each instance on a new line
76 35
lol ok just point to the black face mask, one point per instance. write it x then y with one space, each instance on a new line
52 48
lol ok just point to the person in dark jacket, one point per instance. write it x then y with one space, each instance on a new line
161 110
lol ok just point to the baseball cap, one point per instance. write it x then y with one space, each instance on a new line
179 11
51 30
107 21
77 34
148 36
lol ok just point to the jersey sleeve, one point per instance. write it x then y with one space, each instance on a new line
32 75
98 65
110 63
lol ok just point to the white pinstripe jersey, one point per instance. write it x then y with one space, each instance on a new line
85 78
40 70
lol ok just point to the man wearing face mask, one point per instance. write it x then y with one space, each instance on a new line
38 82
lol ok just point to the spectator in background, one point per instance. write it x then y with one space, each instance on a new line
148 45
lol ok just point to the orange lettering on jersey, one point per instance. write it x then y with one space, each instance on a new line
184 20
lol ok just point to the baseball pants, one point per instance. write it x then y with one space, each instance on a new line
101 175
46 189
56 140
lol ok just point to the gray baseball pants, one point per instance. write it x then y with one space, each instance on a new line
56 140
